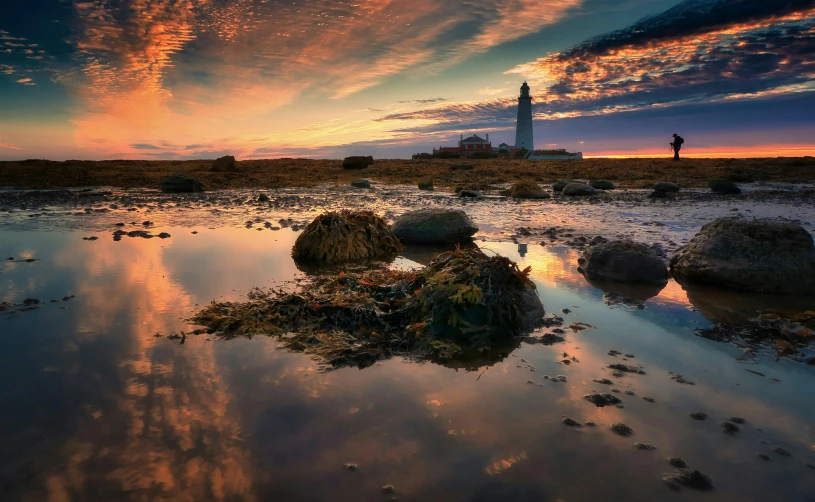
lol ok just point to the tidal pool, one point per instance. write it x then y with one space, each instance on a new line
95 406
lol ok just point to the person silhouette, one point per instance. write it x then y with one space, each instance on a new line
677 145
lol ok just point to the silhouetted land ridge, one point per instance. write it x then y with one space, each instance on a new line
631 173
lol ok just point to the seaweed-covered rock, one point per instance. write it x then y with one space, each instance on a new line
361 183
345 236
724 187
357 162
426 185
527 190
602 185
226 163
624 261
463 302
180 183
577 189
559 185
688 478
751 255
434 226
664 186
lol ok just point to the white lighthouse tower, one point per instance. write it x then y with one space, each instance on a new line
523 130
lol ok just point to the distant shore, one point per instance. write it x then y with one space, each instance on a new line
445 174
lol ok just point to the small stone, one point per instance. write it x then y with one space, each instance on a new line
629 393
626 368
730 428
649 399
677 462
604 381
120 224
698 415
764 456
566 311
687 478
645 446
616 391
351 466
781 451
601 400
590 424
389 489
263 198
737 420
621 429
571 422
163 235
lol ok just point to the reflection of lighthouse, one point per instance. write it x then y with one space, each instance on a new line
523 130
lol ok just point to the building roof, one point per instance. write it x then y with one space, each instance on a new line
474 139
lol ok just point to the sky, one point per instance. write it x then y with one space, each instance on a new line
193 79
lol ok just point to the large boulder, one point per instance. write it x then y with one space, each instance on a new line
180 183
664 186
226 164
751 255
338 237
357 162
724 187
602 185
527 190
434 226
577 188
624 261
361 183
559 185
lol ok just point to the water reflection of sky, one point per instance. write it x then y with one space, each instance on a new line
98 408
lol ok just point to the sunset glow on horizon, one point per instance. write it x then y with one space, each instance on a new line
184 79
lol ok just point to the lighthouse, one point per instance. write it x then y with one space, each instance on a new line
523 129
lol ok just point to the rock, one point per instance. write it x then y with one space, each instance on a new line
781 451
724 187
571 422
737 420
627 368
665 187
750 255
658 195
426 185
263 198
434 226
624 261
338 237
357 162
350 466
730 428
677 462
164 235
604 381
361 183
621 429
389 489
469 193
559 185
649 399
578 189
225 164
601 400
698 415
527 190
602 185
180 183
645 446
764 456
462 167
689 479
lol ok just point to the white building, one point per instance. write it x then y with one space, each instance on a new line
523 129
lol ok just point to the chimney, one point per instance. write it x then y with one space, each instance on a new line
488 137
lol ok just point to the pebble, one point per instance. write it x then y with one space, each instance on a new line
677 462
698 415
571 422
590 424
645 446
621 429
163 235
351 466
649 399
605 381
689 479
629 393
764 456
730 428
737 420
781 451
389 489
601 400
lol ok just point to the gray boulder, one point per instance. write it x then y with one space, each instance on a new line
434 226
180 183
577 188
361 184
666 187
602 185
527 190
724 187
559 185
357 162
226 163
750 255
624 261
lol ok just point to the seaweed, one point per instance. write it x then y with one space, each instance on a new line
338 237
463 302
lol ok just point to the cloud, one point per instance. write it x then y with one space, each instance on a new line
26 81
144 146
699 51
424 101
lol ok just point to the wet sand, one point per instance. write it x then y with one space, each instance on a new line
103 409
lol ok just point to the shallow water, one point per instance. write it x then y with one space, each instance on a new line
96 407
